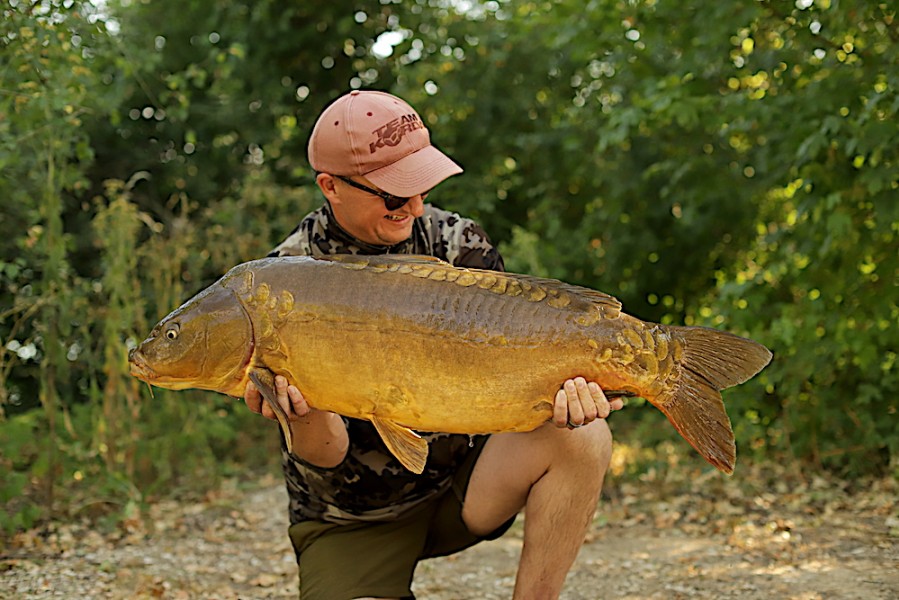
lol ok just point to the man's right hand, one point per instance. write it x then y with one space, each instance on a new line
289 397
319 437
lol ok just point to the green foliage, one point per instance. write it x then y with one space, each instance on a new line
215 95
824 264
81 272
724 164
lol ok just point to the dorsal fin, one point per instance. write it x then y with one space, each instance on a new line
410 259
610 303
536 289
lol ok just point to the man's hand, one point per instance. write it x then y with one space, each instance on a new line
579 402
289 397
319 437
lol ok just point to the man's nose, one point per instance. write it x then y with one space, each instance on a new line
416 205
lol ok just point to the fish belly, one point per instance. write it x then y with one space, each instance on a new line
430 382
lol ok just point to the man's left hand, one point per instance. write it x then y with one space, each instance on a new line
579 402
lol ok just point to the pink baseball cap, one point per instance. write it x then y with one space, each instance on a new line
380 136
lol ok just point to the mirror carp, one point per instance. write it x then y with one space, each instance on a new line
412 343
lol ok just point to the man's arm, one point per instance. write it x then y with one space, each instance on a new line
319 437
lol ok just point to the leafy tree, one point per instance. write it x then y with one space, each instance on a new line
824 264
45 94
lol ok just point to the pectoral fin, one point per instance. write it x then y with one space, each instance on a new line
264 380
407 446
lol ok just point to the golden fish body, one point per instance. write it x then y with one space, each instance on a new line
413 343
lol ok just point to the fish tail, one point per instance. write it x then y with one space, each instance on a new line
712 360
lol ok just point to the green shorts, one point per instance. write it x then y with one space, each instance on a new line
339 562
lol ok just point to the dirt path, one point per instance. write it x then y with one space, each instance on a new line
807 542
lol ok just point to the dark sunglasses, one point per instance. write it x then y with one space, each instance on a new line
391 202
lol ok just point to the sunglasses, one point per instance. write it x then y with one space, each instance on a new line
391 202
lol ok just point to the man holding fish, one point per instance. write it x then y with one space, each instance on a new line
360 521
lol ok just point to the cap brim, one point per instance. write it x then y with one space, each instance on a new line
414 174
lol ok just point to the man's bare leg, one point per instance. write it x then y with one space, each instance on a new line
556 475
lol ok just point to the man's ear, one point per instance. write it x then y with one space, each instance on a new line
327 183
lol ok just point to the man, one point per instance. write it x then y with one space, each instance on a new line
360 522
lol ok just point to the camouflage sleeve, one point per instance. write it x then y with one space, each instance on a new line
462 241
300 240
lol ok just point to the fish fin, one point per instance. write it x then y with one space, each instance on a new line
590 299
407 446
713 360
722 358
580 298
415 259
264 380
412 259
593 296
697 412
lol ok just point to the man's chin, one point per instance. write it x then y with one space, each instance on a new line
389 238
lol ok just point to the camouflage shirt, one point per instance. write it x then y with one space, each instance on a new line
370 484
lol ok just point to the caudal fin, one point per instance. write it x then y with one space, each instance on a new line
712 361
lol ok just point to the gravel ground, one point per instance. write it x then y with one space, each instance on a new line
645 544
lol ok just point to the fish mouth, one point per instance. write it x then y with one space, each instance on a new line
139 368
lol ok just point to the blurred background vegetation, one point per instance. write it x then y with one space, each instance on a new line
731 164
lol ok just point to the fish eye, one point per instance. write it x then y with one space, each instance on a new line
172 332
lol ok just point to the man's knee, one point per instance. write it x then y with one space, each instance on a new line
602 438
590 445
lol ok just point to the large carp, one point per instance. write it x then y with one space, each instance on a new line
414 343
